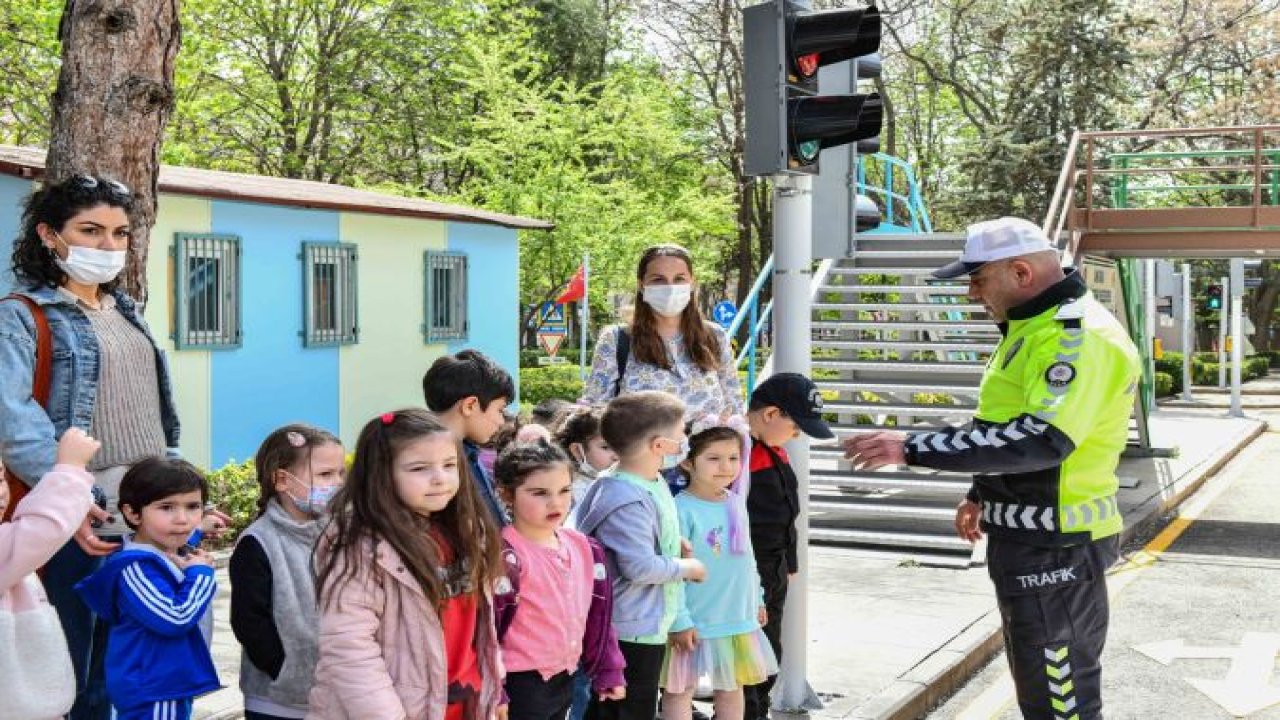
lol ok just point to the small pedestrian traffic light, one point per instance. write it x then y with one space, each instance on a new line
788 123
1213 299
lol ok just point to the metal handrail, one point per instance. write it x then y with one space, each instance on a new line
1056 218
1059 216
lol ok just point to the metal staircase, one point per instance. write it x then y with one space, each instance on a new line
892 350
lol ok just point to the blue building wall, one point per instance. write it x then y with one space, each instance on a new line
271 379
12 192
493 291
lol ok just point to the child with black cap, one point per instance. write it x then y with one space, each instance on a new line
781 408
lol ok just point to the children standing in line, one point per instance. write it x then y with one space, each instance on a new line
273 591
727 612
405 572
579 436
559 610
37 681
632 514
470 393
781 408
154 594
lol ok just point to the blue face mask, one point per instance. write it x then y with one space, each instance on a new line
671 461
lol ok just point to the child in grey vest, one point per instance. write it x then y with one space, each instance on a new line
273 597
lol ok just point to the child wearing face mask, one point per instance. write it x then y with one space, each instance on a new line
273 610
631 513
579 436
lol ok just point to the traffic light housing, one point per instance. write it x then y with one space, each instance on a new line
1213 298
788 122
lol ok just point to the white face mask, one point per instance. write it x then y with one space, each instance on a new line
90 266
668 300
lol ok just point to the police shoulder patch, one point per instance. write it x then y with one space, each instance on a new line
1060 374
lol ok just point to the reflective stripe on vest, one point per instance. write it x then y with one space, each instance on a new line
1038 517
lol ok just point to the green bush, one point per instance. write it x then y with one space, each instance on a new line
234 489
1206 373
1171 363
556 381
1164 384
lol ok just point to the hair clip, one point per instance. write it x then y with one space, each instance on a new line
388 418
295 438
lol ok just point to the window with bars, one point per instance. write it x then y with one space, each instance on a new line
446 305
207 291
329 294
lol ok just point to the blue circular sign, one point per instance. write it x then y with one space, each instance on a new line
724 313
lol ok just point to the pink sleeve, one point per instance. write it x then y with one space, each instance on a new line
43 522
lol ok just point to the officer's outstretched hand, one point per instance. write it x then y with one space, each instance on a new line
967 516
875 450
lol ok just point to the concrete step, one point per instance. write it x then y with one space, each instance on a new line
900 270
889 325
900 289
897 387
938 256
953 237
827 503
906 345
898 366
890 539
898 307
900 409
903 481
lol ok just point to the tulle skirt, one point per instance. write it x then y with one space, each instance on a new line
730 662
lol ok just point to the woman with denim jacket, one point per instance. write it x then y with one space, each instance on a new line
109 378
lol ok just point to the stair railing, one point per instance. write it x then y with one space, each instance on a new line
913 200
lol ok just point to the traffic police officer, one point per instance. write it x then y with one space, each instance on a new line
1052 419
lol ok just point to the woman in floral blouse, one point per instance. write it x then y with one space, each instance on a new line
672 347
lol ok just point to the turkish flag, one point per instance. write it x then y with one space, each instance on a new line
575 290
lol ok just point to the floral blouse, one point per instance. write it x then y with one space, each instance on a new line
703 392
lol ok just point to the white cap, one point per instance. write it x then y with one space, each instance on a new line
993 240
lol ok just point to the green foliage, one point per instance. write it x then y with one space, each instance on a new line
1206 373
1164 384
234 488
559 381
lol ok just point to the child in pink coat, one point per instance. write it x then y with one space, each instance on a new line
36 679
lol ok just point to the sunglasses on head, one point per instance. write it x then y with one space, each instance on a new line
89 182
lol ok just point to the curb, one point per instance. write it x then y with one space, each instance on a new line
938 676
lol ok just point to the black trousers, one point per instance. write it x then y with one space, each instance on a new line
644 668
772 567
1053 604
530 697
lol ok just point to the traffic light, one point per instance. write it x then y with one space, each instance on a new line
788 122
1213 299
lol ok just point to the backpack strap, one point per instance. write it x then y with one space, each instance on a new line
621 353
39 389
507 597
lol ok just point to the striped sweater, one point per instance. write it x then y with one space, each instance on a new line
156 650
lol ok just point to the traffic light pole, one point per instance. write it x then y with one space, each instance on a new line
1237 335
1188 332
792 298
1222 340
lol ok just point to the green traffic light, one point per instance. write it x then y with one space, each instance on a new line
809 150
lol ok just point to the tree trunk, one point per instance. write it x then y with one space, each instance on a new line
1265 298
114 97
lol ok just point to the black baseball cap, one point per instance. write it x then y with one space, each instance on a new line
797 396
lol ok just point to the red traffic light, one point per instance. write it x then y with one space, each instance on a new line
827 37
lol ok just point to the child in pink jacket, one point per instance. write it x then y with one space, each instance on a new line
36 679
406 571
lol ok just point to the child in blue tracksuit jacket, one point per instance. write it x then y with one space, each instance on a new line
154 594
